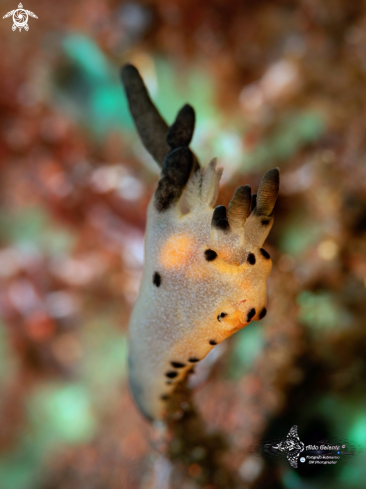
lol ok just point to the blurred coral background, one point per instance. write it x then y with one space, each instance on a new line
274 83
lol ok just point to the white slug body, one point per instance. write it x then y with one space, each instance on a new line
188 303
205 271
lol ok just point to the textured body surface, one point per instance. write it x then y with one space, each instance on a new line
205 270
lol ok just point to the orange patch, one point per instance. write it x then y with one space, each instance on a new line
177 251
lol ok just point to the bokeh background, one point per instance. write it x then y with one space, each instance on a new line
274 83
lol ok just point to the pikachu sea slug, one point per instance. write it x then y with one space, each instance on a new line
205 269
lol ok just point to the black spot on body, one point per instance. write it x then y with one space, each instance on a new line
194 359
265 222
251 258
250 315
164 397
219 219
213 342
263 313
265 253
210 255
157 279
169 382
178 364
171 374
222 315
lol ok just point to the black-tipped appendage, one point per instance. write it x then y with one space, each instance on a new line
219 219
253 202
181 131
150 125
176 170
239 206
268 192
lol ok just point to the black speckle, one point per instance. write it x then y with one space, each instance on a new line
265 222
251 258
213 342
250 315
264 253
194 359
178 364
263 313
171 374
210 255
169 382
157 279
219 219
164 397
222 315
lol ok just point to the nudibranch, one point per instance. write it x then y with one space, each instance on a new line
205 268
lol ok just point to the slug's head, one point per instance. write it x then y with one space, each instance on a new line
208 259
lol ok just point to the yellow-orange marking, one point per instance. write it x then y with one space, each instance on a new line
177 251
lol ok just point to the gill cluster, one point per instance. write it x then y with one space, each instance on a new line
205 269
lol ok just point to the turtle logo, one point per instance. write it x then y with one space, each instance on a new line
20 17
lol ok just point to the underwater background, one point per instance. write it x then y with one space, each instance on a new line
274 83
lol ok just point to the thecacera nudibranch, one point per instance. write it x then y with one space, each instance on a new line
205 270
